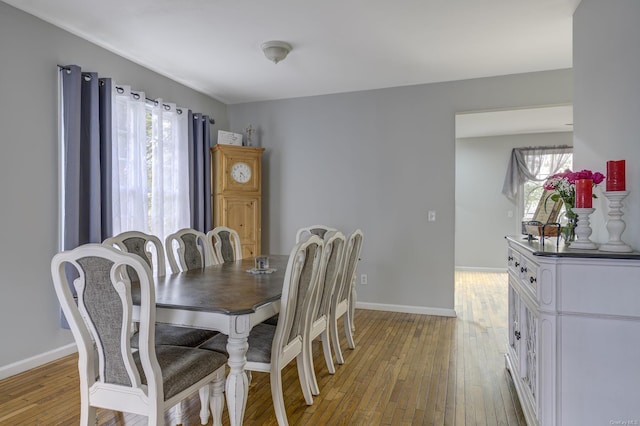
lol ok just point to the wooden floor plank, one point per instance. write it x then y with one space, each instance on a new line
406 369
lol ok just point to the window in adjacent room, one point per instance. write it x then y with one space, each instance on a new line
533 189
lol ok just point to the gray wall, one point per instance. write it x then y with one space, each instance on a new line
380 160
481 209
30 50
607 103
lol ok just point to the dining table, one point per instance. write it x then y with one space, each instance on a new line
227 298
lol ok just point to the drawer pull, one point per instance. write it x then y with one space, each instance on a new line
532 280
517 334
517 264
523 269
510 258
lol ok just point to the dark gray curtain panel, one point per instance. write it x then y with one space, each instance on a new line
86 134
86 114
200 171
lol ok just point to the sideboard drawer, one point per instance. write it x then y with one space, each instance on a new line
513 261
528 272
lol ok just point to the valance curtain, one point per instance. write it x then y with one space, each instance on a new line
525 164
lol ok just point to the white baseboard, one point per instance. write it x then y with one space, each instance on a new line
36 361
423 310
479 269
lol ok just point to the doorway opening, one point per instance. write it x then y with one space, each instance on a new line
484 141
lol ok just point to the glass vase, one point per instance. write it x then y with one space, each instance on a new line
569 230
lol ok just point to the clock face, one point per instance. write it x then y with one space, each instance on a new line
241 172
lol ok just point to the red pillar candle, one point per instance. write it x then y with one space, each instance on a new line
616 175
584 193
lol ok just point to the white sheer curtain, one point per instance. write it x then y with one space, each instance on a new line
151 165
169 201
129 153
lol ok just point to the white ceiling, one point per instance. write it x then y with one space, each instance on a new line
513 122
213 46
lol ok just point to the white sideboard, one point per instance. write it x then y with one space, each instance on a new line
574 334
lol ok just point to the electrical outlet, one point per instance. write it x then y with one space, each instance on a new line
363 279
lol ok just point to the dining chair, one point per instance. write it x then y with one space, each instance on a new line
226 244
112 376
329 271
318 230
301 235
138 243
271 348
189 249
344 296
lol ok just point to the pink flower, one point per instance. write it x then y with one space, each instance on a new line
598 177
564 183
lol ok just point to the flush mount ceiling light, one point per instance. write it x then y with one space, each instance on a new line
275 51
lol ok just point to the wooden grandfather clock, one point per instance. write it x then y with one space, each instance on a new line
237 193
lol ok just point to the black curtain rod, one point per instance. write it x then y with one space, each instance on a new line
153 101
137 96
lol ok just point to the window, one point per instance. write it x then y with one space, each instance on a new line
532 191
151 174
125 162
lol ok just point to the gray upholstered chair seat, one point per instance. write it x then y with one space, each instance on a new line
273 320
181 367
177 336
260 341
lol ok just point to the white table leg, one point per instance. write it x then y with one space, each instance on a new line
237 387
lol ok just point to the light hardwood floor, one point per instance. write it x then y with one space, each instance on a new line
406 369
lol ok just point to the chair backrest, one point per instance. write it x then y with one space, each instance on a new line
350 263
138 242
306 232
102 317
226 244
301 279
189 249
329 272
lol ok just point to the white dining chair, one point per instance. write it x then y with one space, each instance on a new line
139 243
112 376
226 244
301 235
319 230
329 271
189 249
344 296
271 348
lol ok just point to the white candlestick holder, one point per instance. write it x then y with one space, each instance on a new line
615 224
583 230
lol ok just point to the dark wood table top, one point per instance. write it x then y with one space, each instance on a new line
226 288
